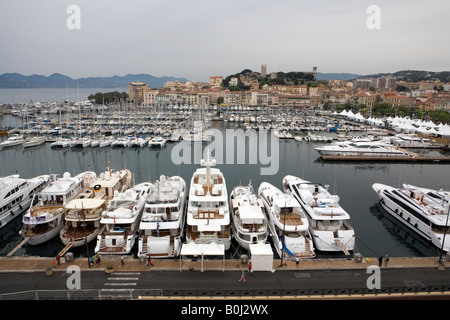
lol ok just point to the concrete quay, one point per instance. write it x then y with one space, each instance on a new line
41 264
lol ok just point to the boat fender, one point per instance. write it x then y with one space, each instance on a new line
396 210
12 212
442 212
130 207
415 225
20 206
97 187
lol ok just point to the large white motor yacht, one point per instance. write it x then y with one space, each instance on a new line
83 214
249 216
423 210
361 148
288 224
45 217
328 221
208 215
163 220
121 218
16 194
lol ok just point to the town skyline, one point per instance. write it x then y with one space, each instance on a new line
197 39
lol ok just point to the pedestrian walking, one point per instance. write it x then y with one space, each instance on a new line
297 261
58 258
386 260
121 261
175 256
380 261
250 271
149 261
242 276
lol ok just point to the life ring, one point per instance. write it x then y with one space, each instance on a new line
97 187
130 207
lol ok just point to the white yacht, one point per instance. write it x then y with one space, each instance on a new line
61 143
156 142
288 225
33 142
16 194
12 141
138 142
249 216
199 133
208 215
410 141
121 142
361 148
83 214
106 141
425 211
121 220
163 219
328 222
45 217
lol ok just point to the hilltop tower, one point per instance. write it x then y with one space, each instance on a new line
263 71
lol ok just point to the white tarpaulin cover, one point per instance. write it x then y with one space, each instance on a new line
203 249
261 256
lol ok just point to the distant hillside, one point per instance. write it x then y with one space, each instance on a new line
337 76
414 75
56 80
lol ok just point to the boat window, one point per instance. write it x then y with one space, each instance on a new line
408 209
286 210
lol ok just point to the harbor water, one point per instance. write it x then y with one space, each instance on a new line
376 233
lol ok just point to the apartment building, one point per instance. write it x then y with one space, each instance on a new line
215 81
136 91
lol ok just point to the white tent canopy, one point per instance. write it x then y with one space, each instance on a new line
202 250
261 257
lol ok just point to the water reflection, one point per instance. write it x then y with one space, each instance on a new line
402 235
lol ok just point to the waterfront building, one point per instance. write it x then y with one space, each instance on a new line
136 91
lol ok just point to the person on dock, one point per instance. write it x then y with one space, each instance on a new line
242 276
58 259
386 260
121 261
149 261
250 271
380 261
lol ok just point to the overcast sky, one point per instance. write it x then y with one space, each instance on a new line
196 39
